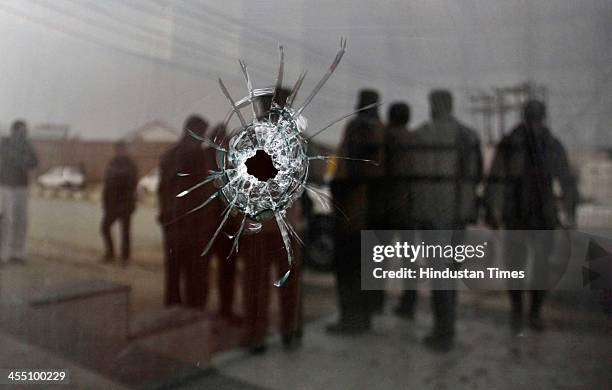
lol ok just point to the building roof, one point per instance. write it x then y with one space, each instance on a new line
154 131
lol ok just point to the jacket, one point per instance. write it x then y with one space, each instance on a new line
355 181
187 156
120 181
442 164
17 158
519 191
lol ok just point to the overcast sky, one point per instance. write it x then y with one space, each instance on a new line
105 67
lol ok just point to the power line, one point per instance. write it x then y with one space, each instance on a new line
89 38
203 22
134 36
192 46
358 70
188 46
196 23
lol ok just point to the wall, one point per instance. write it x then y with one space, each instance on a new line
94 155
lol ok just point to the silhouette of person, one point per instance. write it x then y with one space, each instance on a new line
226 267
519 196
351 189
393 203
118 201
185 233
390 203
17 159
263 251
444 169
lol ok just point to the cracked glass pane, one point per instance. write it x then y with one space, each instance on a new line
264 168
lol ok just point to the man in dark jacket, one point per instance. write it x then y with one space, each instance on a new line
444 168
351 189
119 201
520 196
17 159
393 208
186 234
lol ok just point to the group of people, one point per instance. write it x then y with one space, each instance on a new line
186 228
429 179
426 178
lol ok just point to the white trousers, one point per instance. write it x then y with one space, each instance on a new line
13 222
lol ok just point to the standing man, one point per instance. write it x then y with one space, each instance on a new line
393 203
261 256
520 196
445 170
351 191
119 201
185 234
17 159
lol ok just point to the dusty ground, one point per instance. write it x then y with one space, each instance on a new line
573 354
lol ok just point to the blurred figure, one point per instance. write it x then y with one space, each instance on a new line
185 234
262 252
520 196
444 169
17 159
393 206
226 267
119 201
351 188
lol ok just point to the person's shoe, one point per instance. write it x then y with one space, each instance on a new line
341 329
536 323
258 349
378 310
403 313
439 343
292 341
232 319
17 261
516 323
107 259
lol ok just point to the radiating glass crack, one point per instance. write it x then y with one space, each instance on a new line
263 169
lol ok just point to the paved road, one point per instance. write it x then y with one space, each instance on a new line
573 354
75 224
65 233
392 357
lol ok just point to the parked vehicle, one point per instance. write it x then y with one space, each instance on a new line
71 177
147 185
318 233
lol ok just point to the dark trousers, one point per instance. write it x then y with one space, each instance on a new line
108 220
443 298
537 299
187 271
516 255
356 305
263 252
184 268
443 304
226 274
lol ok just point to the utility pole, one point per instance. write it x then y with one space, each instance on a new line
498 102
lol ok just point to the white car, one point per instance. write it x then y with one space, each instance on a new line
62 177
147 185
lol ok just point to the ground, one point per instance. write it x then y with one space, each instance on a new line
573 353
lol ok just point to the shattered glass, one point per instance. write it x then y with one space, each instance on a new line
278 135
